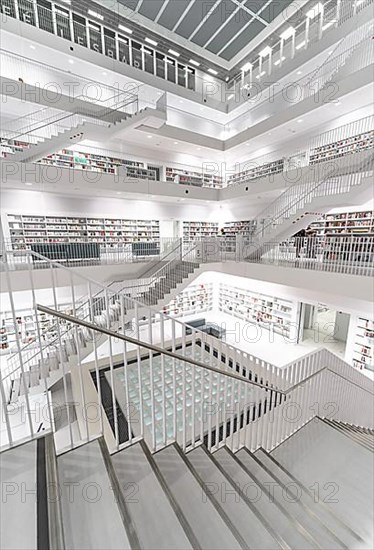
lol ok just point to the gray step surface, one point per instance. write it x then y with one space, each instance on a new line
305 495
343 472
289 534
205 520
297 509
18 518
155 521
252 530
91 517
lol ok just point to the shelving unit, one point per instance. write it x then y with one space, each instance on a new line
198 230
363 347
99 163
345 222
10 147
199 179
113 233
267 311
245 228
263 171
348 146
193 300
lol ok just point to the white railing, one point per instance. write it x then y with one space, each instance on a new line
81 254
349 254
336 13
329 178
183 384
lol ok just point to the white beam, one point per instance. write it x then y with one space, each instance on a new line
192 2
163 8
255 15
220 28
204 19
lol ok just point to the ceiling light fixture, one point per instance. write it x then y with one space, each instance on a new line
32 46
175 142
150 41
27 183
230 97
288 33
316 10
95 14
227 78
193 62
212 71
71 61
329 24
173 52
301 45
277 62
299 72
149 137
125 29
300 120
66 1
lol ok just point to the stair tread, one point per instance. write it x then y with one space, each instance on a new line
342 468
90 522
345 534
18 523
288 534
161 530
252 530
297 510
206 523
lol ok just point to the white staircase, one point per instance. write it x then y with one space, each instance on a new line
327 185
69 129
202 500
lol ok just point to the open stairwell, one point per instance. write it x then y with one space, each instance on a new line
347 180
78 128
173 499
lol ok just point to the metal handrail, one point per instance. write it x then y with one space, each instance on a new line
151 347
186 359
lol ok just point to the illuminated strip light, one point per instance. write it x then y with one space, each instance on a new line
95 14
329 24
277 62
301 45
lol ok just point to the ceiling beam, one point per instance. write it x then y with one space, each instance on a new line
192 2
243 29
221 27
163 8
250 12
204 19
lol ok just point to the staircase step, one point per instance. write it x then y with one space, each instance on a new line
289 533
242 515
295 487
24 381
15 390
366 440
34 379
294 507
206 522
18 518
152 514
92 520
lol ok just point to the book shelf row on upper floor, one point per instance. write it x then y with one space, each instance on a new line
197 177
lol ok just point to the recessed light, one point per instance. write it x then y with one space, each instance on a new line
299 72
95 14
32 47
212 71
300 120
104 73
176 143
227 78
301 45
269 134
125 29
180 101
119 193
330 52
27 183
71 61
193 62
338 103
173 52
149 137
230 97
150 41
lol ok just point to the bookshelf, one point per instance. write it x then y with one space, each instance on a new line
263 171
26 230
363 347
358 222
197 178
244 227
193 300
270 312
9 147
98 163
347 146
198 230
